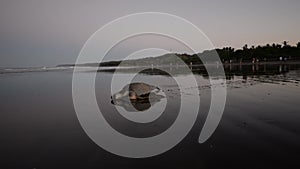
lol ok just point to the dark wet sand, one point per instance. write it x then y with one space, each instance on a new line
260 126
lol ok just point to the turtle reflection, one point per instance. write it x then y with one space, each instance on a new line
137 97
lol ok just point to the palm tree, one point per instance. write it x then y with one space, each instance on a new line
285 43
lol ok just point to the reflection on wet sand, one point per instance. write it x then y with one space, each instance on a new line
135 105
230 69
238 75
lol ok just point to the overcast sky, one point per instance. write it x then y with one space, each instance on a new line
47 33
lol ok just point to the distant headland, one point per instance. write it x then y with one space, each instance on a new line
269 53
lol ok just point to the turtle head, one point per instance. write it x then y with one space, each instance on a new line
120 95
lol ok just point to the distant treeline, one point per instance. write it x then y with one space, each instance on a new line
269 52
266 53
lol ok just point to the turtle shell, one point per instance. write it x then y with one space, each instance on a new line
140 89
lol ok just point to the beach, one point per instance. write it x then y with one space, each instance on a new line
259 128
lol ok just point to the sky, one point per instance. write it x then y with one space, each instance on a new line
51 32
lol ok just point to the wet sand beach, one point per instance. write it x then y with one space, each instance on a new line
259 129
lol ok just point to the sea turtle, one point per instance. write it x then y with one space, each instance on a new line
135 91
136 97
